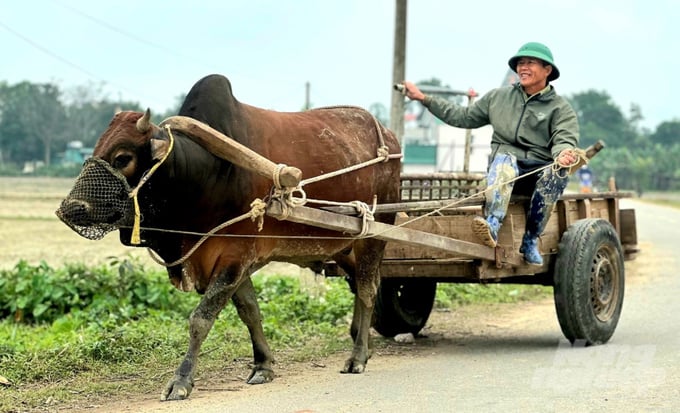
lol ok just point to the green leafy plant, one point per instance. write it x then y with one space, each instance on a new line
454 295
119 290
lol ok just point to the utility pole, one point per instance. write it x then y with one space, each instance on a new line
398 71
468 136
307 102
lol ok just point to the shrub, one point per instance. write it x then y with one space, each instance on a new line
8 169
57 323
453 295
284 304
108 293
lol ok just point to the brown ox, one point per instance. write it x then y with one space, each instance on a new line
193 190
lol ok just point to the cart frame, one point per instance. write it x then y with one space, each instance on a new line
584 246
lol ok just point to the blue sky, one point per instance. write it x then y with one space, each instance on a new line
153 51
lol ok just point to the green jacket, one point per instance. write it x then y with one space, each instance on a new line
537 127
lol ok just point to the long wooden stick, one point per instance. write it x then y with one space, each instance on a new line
228 149
352 225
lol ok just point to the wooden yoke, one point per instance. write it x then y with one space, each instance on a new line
228 149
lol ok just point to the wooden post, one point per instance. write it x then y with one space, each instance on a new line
468 139
308 103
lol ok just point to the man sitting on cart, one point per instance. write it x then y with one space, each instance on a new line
534 129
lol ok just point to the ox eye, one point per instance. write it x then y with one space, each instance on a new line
121 161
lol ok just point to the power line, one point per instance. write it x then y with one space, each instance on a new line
168 51
100 22
129 35
49 53
115 29
62 59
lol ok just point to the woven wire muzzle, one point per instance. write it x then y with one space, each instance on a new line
99 201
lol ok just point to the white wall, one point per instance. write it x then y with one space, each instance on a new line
451 149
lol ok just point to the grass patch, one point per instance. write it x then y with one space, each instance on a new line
76 334
665 198
674 203
452 295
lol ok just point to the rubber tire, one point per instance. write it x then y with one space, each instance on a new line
589 281
403 305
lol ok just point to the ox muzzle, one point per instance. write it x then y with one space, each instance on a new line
99 201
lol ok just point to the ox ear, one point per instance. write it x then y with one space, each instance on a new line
159 148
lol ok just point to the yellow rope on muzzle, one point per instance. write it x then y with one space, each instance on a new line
135 239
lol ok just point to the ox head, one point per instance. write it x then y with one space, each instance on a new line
100 200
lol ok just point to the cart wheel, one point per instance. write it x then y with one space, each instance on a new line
403 305
589 281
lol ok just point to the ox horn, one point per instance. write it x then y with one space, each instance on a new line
144 123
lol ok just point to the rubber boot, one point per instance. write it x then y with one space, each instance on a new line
530 250
487 230
503 169
549 188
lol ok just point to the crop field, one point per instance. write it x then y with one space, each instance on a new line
30 230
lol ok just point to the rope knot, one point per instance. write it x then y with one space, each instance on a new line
366 213
257 210
277 175
384 152
581 159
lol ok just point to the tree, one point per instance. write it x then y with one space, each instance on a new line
601 119
380 112
89 112
35 122
667 133
654 167
172 111
32 120
635 115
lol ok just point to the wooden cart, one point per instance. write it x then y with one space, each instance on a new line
584 246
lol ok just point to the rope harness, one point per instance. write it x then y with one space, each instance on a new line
135 238
285 196
288 200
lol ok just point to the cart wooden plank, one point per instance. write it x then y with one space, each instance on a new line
353 225
413 206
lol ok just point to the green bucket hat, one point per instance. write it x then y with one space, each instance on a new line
537 50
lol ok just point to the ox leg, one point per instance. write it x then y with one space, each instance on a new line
348 264
368 255
200 322
245 301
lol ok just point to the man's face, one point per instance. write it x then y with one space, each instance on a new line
533 74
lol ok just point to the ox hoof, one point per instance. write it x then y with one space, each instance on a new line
177 389
261 376
354 367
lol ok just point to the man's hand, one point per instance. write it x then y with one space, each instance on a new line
412 92
567 158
